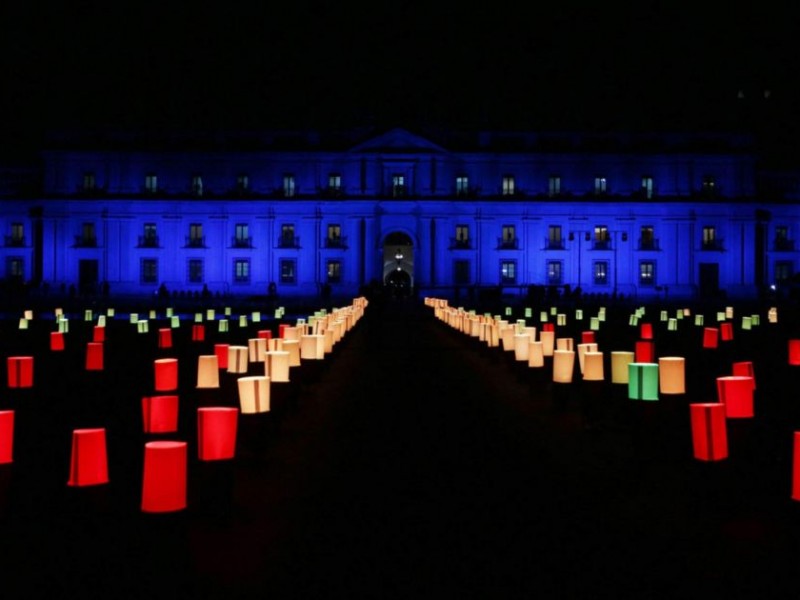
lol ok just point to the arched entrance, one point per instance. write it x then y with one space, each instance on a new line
398 263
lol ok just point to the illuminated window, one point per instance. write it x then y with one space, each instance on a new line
197 185
288 185
242 182
149 237
462 236
151 183
602 241
647 272
17 237
647 186
600 185
554 185
334 239
15 268
462 185
148 271
334 268
398 185
195 270
600 269
196 238
554 241
288 239
335 182
509 237
554 272
89 182
461 272
709 184
508 272
509 185
241 236
288 270
241 270
647 240
710 241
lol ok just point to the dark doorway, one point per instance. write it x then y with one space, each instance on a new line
398 282
709 279
398 262
87 276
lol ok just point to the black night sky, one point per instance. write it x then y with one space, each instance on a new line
321 64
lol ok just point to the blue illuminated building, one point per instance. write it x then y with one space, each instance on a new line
646 216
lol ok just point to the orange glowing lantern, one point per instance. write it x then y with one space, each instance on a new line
6 436
166 374
293 348
671 375
20 371
216 432
276 366
593 365
164 480
89 463
709 431
535 355
256 348
312 347
736 393
563 366
548 341
282 329
94 356
207 371
619 365
160 414
56 341
254 394
237 359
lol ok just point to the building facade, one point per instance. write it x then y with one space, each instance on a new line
643 216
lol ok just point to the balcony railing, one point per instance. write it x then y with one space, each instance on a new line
15 241
148 241
196 241
242 242
507 243
551 244
715 244
83 241
336 242
460 244
783 245
649 244
289 241
601 245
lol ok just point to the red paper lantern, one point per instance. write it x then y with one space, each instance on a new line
587 337
794 352
221 350
711 337
645 352
736 393
796 467
726 331
160 414
216 432
745 369
56 341
709 431
94 356
20 371
166 372
548 327
266 334
89 464
282 329
6 436
165 338
164 480
198 333
99 334
646 331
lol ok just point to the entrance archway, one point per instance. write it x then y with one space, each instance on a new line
398 263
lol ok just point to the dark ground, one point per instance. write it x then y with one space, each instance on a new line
414 462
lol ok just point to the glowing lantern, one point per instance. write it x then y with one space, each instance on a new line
221 350
565 344
276 366
646 331
794 352
222 326
507 337
726 331
293 348
164 480
563 366
99 334
645 351
535 355
583 349
216 432
56 341
587 337
619 366
94 356
745 369
698 320
89 463
642 381
256 348
736 393
548 327
710 337
6 436
521 343
198 333
207 371
265 334
165 338
282 329
20 371
160 414
709 431
254 394
561 319
796 467
548 341
593 366
594 323
312 347
671 375
28 315
166 374
237 359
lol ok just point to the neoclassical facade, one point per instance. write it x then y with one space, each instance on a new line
643 216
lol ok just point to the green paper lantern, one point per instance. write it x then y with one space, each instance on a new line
643 381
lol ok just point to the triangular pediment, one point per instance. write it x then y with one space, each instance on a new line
398 140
